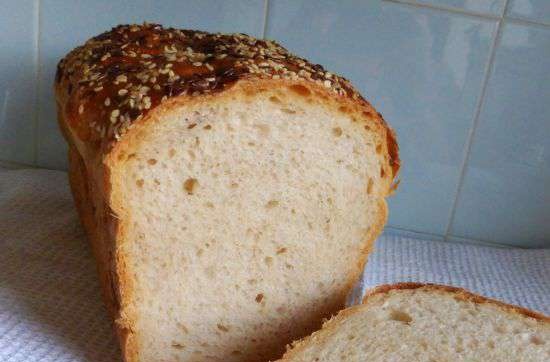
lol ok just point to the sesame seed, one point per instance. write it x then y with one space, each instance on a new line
121 78
107 101
81 109
115 113
122 92
327 83
197 64
210 68
98 89
146 102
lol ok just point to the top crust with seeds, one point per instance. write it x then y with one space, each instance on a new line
119 76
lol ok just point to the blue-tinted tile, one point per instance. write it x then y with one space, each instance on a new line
17 80
506 191
421 68
490 7
66 24
536 10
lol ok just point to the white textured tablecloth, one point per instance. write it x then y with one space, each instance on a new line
50 305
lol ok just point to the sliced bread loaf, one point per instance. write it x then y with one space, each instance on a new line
231 190
424 322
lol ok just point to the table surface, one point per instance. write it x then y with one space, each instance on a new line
50 305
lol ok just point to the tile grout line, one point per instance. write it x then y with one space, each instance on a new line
404 230
451 10
525 22
439 237
37 78
514 19
266 14
7 164
475 121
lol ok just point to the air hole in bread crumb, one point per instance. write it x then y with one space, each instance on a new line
200 252
251 281
259 298
209 204
337 131
262 128
207 127
182 327
234 185
222 328
271 204
281 251
191 154
178 345
151 161
536 340
399 316
382 172
379 149
140 182
369 186
191 126
423 345
189 185
157 182
491 344
268 260
289 111
301 90
274 99
367 127
252 144
171 152
289 266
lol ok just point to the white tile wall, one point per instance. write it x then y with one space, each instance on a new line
463 82
18 51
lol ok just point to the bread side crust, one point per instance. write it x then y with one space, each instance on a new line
331 326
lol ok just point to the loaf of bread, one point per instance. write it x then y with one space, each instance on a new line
231 190
426 322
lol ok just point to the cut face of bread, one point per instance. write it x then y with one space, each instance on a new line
244 221
428 323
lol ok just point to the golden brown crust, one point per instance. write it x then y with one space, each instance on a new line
119 76
459 293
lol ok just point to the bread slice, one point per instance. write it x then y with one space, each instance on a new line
231 190
426 322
